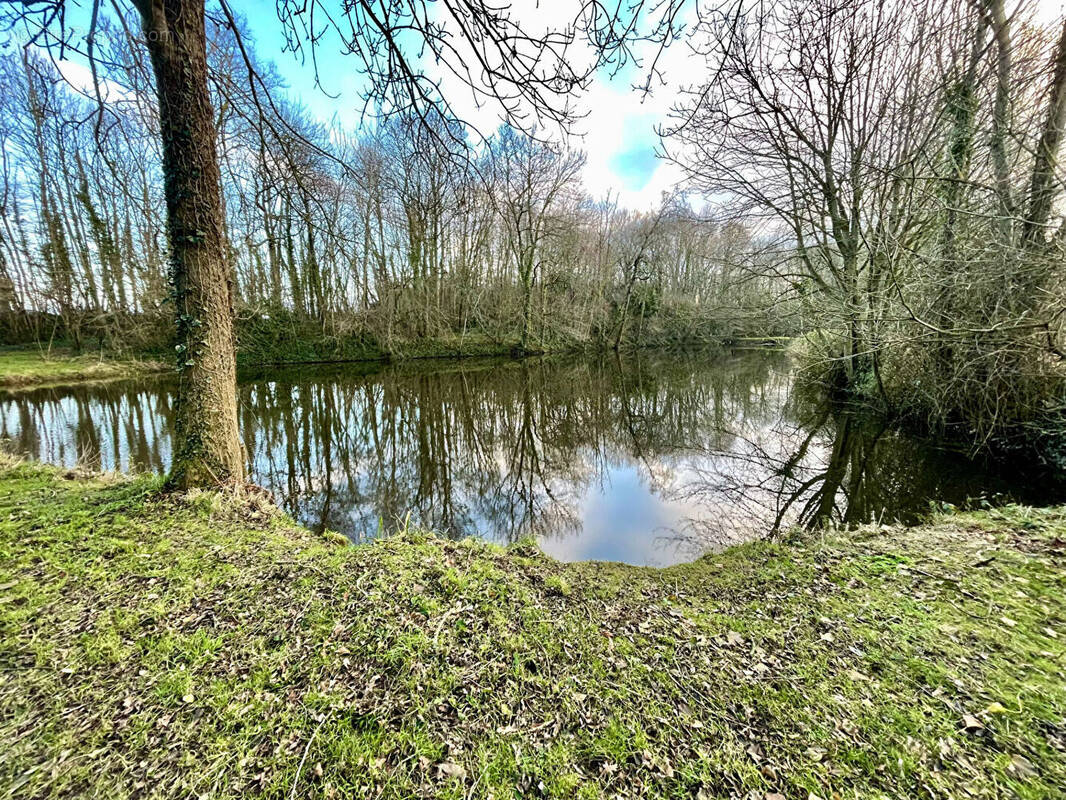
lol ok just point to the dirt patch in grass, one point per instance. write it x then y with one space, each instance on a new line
155 647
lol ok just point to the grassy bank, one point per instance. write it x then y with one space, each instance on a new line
263 345
272 343
196 647
28 366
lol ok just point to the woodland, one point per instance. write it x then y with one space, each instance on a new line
882 180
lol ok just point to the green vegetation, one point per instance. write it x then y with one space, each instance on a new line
261 344
25 366
30 366
284 339
199 645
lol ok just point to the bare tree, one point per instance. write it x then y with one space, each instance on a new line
530 181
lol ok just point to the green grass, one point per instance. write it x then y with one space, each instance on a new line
201 647
25 366
284 340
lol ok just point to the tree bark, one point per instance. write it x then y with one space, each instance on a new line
527 306
1001 116
1043 189
207 445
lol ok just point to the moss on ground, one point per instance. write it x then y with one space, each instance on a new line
200 647
24 366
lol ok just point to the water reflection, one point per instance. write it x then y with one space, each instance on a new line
650 460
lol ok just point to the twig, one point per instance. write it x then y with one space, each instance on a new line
300 769
444 617
946 579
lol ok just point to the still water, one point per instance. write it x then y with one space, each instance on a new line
653 459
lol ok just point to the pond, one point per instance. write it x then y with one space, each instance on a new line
650 459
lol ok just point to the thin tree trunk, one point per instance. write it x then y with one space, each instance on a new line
1001 117
1043 188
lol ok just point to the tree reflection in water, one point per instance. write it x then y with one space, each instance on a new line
648 459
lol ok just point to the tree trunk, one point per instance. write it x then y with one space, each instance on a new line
625 314
1001 117
527 304
1043 190
207 446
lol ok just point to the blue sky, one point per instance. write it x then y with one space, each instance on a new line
636 163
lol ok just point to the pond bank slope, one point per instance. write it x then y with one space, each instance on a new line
26 366
184 648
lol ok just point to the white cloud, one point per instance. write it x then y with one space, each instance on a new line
618 126
80 78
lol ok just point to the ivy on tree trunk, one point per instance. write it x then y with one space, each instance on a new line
208 449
